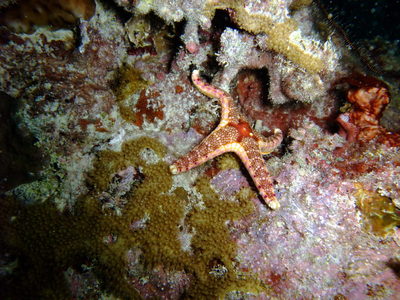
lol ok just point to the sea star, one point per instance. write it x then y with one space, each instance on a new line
233 134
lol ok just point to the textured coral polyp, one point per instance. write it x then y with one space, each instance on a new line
160 214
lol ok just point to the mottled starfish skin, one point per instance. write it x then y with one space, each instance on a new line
233 134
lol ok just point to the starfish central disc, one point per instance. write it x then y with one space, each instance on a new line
244 130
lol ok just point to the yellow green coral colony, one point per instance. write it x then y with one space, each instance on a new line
51 241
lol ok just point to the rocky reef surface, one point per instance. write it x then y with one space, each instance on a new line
97 102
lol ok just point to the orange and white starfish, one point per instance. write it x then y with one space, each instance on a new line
233 134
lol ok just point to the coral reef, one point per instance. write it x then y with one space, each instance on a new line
97 102
16 154
64 94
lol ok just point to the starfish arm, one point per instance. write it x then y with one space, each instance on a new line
213 145
251 157
267 145
226 101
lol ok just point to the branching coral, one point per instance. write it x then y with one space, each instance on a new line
286 81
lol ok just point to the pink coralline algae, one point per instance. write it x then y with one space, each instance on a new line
318 214
229 182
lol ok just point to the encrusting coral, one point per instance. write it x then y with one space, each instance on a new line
151 223
283 34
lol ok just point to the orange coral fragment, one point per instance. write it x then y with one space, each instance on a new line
179 89
361 123
144 110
